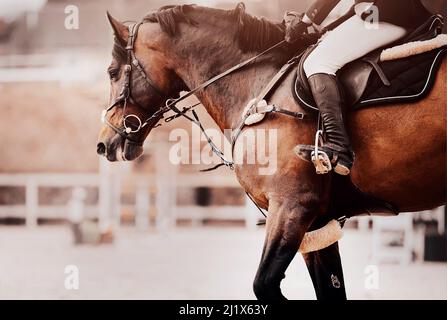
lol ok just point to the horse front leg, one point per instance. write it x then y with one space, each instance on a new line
327 273
287 222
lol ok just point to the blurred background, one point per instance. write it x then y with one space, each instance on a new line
149 229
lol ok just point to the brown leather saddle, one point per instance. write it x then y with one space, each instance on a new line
368 82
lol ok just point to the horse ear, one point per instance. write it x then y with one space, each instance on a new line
119 29
240 7
239 12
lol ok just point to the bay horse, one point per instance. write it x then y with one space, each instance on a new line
400 150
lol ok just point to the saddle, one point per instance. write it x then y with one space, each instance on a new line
392 74
372 81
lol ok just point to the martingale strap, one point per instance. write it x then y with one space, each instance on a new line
213 146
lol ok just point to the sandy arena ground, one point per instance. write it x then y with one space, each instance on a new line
186 263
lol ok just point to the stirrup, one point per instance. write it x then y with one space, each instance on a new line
324 158
320 158
319 155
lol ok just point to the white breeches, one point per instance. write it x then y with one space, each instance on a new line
349 41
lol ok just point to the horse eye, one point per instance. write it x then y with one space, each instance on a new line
112 73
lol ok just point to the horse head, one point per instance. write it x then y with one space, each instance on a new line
153 61
141 81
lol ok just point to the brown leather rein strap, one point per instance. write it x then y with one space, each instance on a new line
173 102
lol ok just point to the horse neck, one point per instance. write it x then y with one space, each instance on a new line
203 57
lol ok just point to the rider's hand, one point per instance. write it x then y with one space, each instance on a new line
295 27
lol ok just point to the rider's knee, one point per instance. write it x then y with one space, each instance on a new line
315 64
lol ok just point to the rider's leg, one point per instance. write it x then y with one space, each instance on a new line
351 40
329 101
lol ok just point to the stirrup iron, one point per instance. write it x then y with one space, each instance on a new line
319 158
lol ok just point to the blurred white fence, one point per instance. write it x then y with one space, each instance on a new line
248 211
31 210
400 247
108 208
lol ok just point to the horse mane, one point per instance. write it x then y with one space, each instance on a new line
252 33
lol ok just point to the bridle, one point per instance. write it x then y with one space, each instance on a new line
126 130
126 93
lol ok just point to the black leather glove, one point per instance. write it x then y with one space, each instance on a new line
295 27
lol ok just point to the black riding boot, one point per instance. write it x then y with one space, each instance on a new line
329 101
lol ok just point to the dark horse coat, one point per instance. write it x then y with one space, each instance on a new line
405 13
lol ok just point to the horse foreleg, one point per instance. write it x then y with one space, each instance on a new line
327 273
286 225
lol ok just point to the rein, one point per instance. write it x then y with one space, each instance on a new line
170 103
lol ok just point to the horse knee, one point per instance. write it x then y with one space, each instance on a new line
266 288
259 288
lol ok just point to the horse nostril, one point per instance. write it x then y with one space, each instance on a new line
101 148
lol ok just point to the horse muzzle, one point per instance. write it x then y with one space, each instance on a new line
119 148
